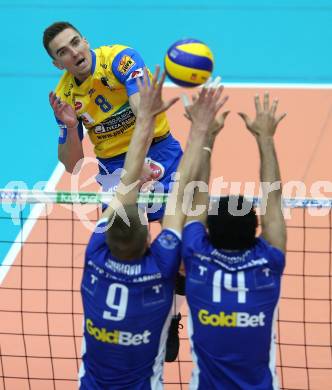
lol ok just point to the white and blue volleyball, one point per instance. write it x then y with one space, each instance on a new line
189 63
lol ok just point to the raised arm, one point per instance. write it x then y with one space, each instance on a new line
134 102
70 152
150 105
201 198
202 113
263 128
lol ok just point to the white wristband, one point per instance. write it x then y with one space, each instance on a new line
207 149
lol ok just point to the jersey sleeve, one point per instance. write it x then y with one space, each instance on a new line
194 237
98 239
275 254
166 250
127 66
63 130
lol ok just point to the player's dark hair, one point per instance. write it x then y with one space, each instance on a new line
52 31
234 224
127 242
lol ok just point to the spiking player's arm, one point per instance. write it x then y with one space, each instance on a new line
134 102
202 113
201 198
71 151
263 128
150 105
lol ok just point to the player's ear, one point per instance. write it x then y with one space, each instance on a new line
57 64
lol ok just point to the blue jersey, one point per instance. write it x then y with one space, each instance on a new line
127 311
232 299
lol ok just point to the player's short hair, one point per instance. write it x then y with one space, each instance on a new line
52 31
234 225
127 242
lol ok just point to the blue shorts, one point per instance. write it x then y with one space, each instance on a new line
88 382
163 156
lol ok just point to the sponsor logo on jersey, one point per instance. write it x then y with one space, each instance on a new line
117 336
136 73
232 320
91 91
67 93
168 240
157 169
116 123
87 118
125 64
126 269
147 278
78 105
104 81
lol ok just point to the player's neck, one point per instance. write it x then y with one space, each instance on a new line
77 81
80 78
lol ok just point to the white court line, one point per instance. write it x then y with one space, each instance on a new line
265 85
29 224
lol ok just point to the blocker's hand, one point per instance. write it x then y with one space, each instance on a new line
151 102
266 121
205 106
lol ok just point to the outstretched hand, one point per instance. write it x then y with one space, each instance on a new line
63 111
218 124
202 112
266 121
151 102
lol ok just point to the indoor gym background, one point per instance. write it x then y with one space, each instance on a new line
284 43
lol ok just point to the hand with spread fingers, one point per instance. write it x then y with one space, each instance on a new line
218 124
151 102
202 112
63 111
266 121
205 106
150 105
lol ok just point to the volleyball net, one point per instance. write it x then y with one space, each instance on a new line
40 304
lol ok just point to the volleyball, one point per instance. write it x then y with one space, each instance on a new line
189 63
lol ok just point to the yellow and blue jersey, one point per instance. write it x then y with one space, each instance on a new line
101 101
127 311
233 299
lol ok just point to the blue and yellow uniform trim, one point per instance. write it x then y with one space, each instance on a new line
101 101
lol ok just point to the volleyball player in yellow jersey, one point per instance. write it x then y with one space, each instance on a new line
98 89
